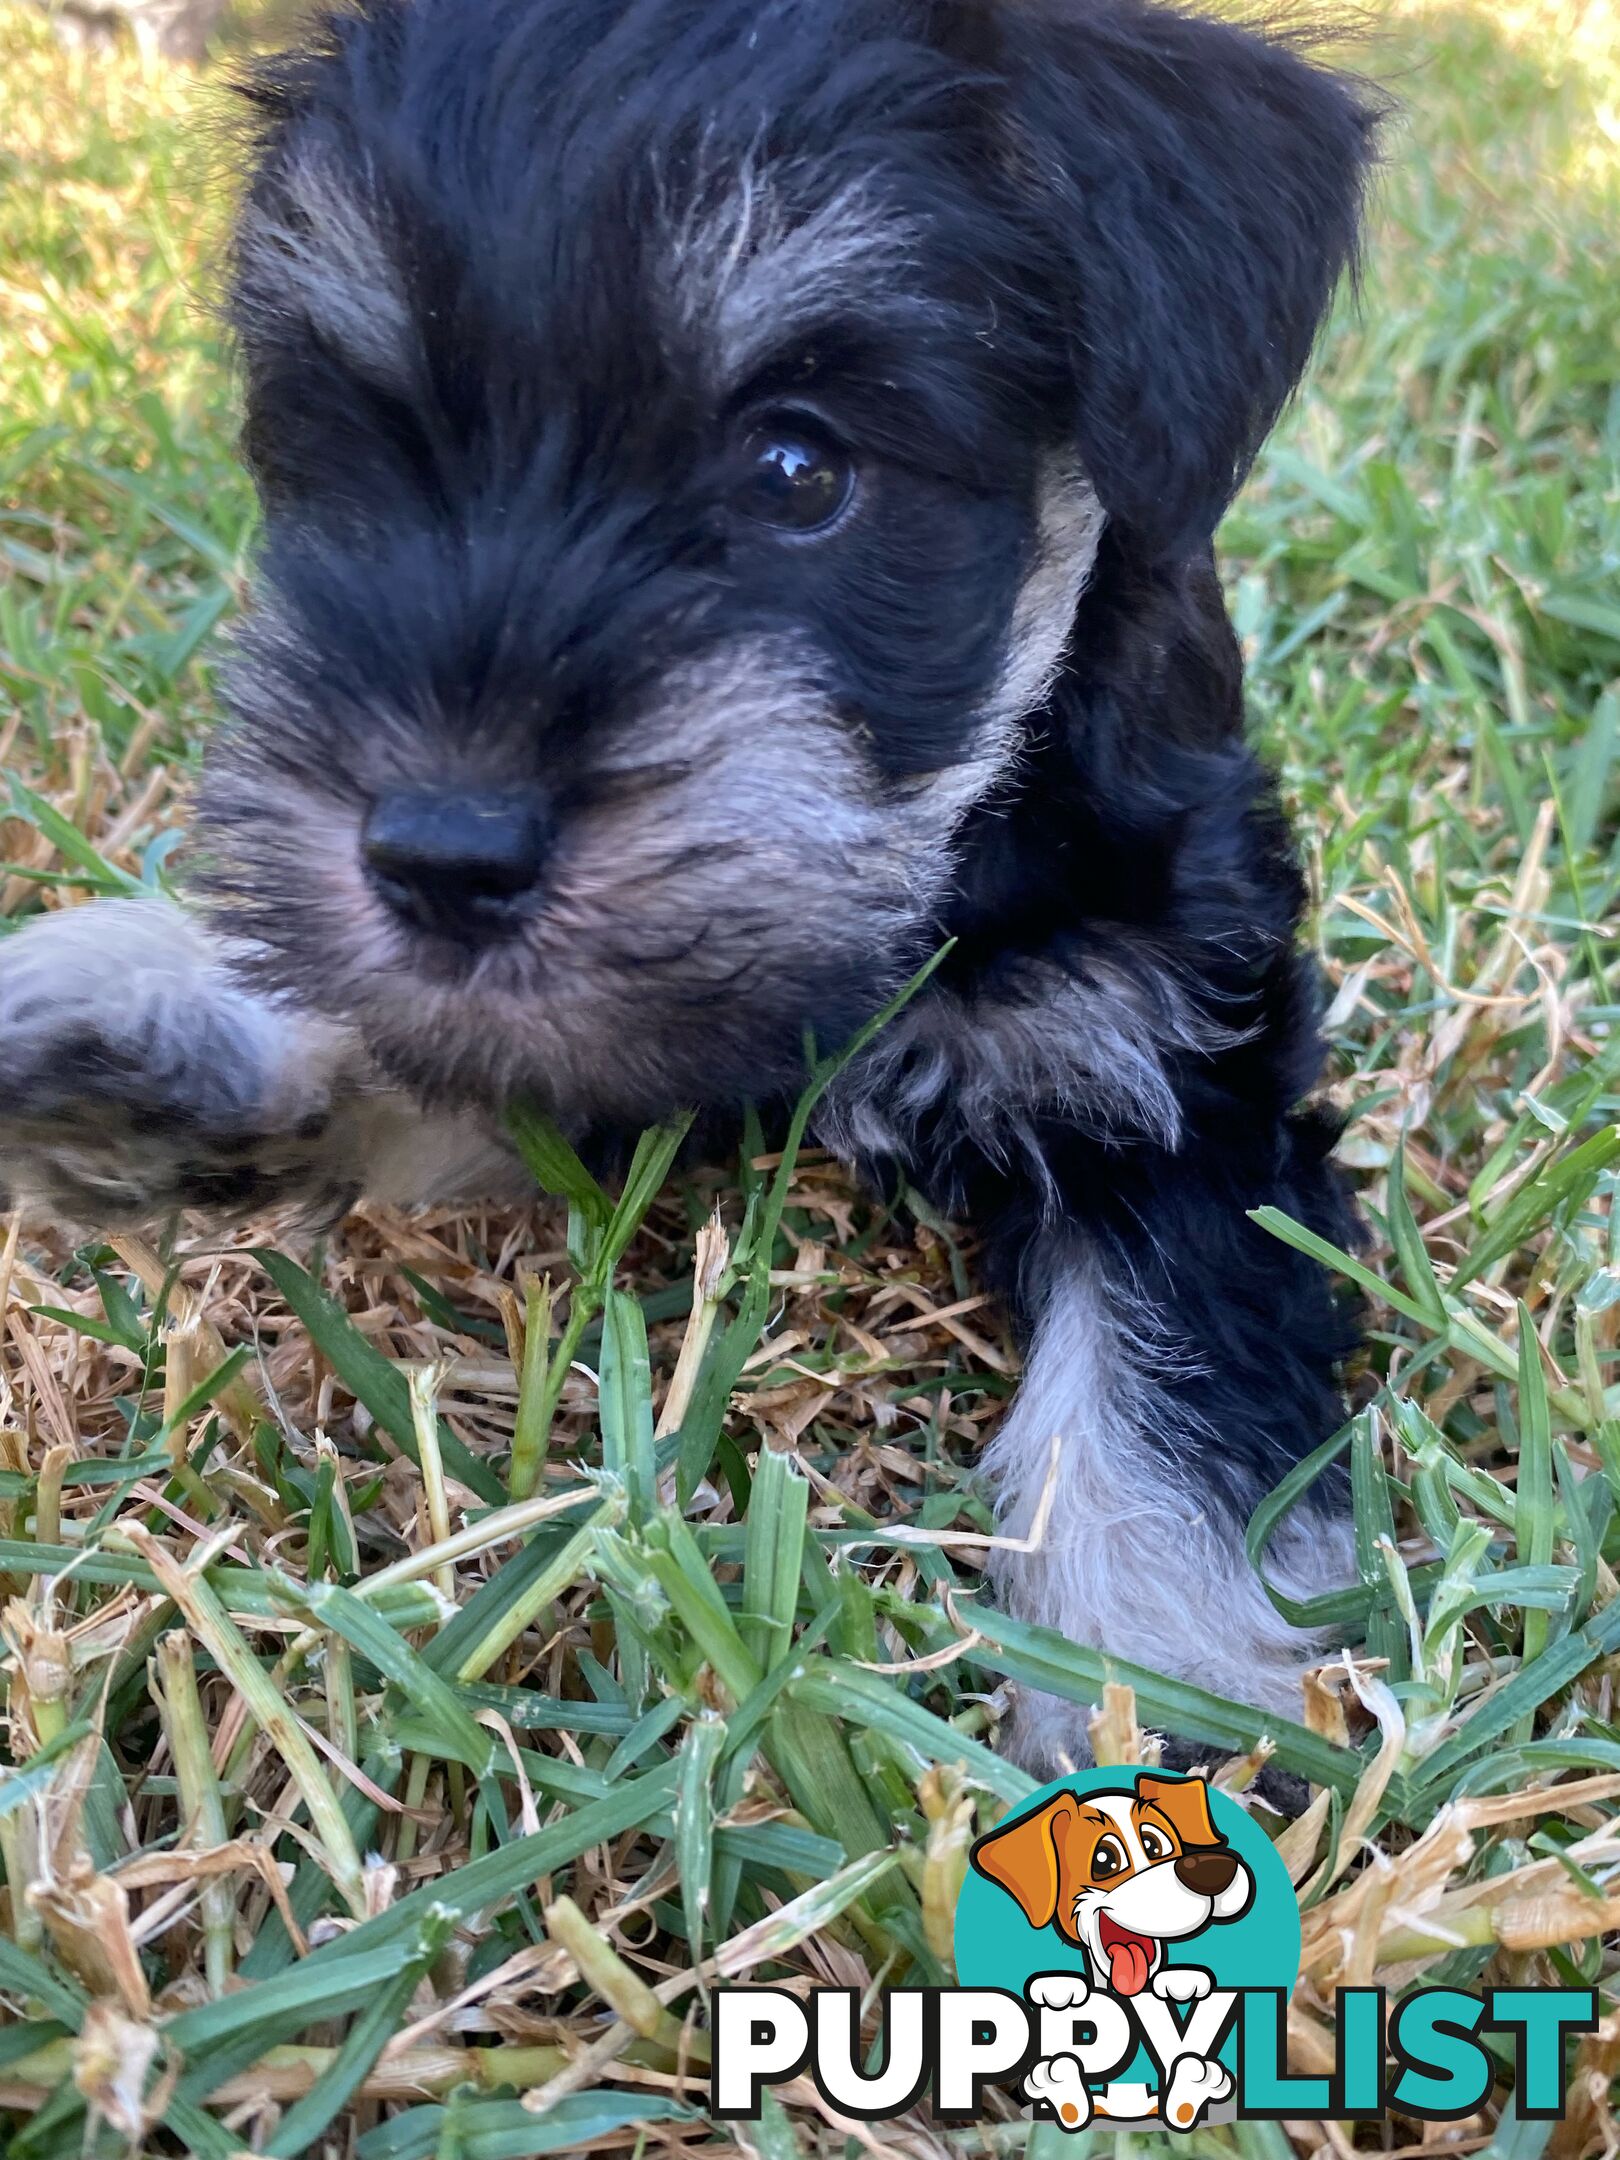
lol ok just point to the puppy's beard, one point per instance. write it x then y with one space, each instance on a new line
736 873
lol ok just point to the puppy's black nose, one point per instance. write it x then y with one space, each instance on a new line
457 860
1206 1872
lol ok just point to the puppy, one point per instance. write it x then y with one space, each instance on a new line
738 482
1119 1875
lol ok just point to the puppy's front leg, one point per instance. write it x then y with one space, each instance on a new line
139 1073
1184 1360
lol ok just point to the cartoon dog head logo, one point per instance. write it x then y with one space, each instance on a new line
1120 1873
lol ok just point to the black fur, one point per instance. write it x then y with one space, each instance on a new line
1147 814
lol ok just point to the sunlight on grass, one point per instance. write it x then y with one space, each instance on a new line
1559 114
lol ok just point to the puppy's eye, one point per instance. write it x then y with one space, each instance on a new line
1108 1859
1154 1843
794 478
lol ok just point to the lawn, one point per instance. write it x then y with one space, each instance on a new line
380 1749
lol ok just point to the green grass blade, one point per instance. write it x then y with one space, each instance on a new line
1535 1503
777 1511
1335 1257
477 2129
362 2044
1565 1183
434 1703
626 1402
554 1166
373 1379
694 1824
1044 1659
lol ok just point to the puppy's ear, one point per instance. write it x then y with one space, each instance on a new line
1022 1859
1186 1803
1200 187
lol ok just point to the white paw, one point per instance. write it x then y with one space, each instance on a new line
1061 2083
1058 1991
1181 1983
1194 2087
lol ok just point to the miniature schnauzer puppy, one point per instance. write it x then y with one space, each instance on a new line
738 484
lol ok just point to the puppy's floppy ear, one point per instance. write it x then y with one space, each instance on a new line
1201 188
1185 1801
1022 1859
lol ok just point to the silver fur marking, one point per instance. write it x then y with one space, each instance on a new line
1069 523
1132 1561
325 254
1093 1048
748 274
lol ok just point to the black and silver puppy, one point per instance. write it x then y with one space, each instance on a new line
738 484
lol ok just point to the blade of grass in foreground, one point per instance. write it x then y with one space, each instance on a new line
362 2044
373 1379
479 2129
736 1343
213 1626
1044 1659
599 1233
1534 1503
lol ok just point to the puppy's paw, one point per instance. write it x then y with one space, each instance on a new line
1195 2087
1059 1991
1061 2083
137 1074
1181 1983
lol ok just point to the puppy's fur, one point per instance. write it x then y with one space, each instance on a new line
516 282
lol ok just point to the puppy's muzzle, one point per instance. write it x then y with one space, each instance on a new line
456 862
1205 1873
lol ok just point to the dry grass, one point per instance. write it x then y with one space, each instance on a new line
357 1804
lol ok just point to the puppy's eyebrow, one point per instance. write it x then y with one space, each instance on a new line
755 278
315 243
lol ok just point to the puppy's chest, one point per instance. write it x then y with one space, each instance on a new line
1096 1047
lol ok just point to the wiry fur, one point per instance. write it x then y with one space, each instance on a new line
732 777
319 249
1091 1045
1140 1555
744 272
520 288
144 1074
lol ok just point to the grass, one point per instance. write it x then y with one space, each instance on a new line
390 1769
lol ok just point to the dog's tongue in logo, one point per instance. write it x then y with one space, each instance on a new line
1129 1955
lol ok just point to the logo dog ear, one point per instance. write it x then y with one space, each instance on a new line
1022 1859
1186 1802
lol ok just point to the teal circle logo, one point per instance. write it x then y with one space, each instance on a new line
1130 1908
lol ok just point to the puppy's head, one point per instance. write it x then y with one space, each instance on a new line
1120 1874
684 436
